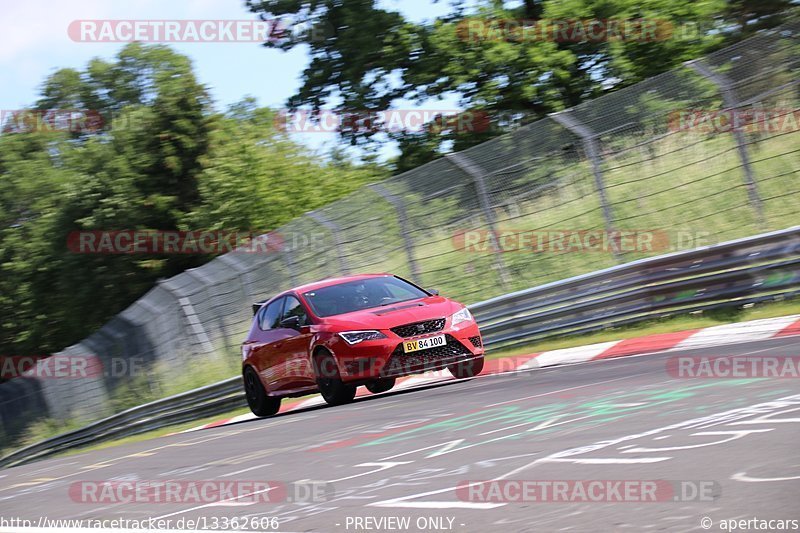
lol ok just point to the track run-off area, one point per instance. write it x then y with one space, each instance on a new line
611 445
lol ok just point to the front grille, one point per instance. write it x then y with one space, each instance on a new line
476 341
402 363
419 328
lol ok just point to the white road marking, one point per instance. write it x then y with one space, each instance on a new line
742 476
579 354
242 471
724 417
610 461
767 419
733 435
542 425
215 504
438 505
382 465
49 468
232 501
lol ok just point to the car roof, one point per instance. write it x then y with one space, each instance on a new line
335 281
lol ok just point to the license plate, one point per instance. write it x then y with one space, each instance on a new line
424 344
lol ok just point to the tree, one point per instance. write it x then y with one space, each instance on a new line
162 159
366 57
684 30
753 15
257 179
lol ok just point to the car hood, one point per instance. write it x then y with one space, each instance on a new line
396 314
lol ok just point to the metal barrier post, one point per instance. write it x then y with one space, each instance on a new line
732 103
319 218
195 326
287 256
463 163
402 219
241 272
593 153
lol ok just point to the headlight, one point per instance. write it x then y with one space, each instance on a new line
354 337
462 316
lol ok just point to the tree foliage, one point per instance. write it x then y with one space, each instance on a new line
365 57
163 159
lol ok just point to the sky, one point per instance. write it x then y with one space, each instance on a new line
34 43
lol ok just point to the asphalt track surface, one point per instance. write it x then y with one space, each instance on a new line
402 455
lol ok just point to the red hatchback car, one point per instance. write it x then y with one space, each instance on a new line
334 335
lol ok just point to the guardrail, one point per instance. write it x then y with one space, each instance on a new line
753 269
748 270
184 407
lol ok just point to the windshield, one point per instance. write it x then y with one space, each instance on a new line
362 294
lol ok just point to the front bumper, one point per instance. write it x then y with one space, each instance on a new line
385 358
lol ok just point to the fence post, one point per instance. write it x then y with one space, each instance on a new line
241 272
464 164
319 218
402 219
589 139
195 326
287 256
732 102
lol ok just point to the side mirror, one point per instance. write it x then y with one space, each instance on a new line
293 322
435 292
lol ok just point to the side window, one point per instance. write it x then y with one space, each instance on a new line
270 316
292 308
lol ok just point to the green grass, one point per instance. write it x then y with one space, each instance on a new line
684 186
162 381
687 186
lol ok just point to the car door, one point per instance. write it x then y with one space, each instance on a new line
296 363
263 349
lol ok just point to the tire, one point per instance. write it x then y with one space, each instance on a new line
257 399
380 385
333 390
467 369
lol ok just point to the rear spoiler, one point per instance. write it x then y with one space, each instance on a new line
257 306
